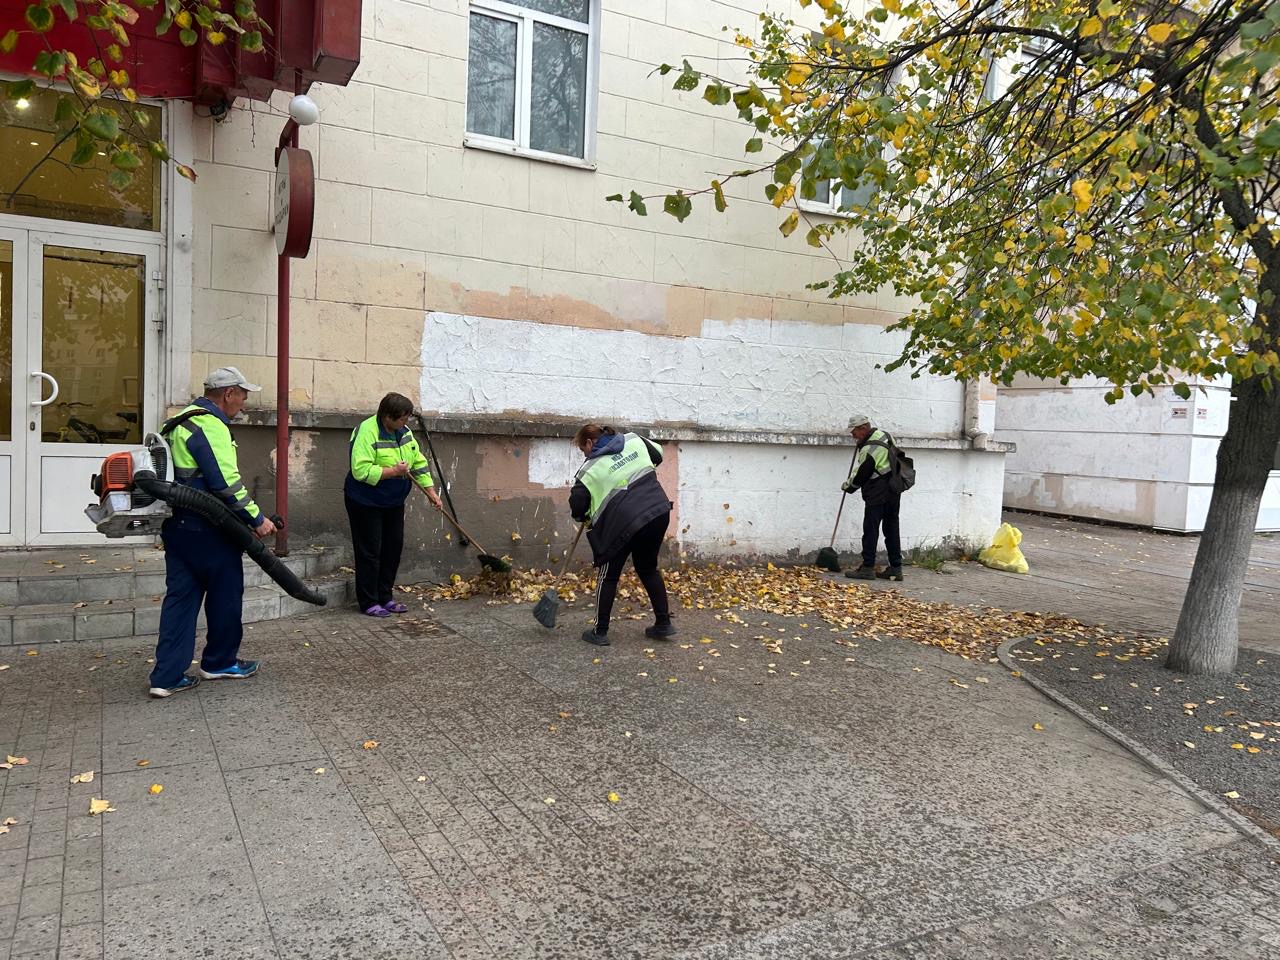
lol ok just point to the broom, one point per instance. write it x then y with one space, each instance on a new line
487 560
545 610
827 558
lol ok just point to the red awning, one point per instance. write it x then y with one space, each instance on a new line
317 41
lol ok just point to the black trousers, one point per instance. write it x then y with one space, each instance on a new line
875 516
377 537
643 549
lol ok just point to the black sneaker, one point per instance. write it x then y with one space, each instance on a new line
661 631
862 573
599 639
890 573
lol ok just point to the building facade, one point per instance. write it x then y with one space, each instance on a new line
464 254
1147 461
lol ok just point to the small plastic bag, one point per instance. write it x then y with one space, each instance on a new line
1003 554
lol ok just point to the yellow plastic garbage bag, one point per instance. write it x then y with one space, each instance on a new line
1003 554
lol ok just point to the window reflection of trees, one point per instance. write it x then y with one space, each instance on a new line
491 78
559 90
579 10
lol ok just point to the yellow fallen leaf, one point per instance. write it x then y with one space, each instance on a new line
370 744
33 653
422 779
672 680
155 788
1231 795
981 679
1256 736
3 830
97 806
4 666
549 801
10 822
613 797
144 763
318 770
1188 744
1237 746
1252 749
17 761
86 777
1036 726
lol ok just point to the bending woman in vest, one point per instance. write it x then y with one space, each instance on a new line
385 463
618 492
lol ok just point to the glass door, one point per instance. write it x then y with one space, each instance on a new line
92 326
13 312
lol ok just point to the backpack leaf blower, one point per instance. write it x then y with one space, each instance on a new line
136 493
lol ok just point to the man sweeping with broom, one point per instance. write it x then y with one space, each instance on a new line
873 473
617 492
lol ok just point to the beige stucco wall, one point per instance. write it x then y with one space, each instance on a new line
409 221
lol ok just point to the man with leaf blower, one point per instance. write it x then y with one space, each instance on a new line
881 472
201 565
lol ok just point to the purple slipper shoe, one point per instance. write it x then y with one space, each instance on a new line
377 610
395 606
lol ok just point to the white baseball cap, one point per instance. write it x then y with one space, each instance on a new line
229 377
859 420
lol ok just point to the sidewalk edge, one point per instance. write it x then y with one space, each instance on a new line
1210 801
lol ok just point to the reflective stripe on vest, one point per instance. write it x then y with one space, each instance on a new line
604 476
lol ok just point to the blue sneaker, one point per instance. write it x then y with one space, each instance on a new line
237 671
186 683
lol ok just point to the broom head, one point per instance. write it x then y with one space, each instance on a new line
545 610
827 560
496 564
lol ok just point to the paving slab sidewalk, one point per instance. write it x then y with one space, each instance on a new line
466 785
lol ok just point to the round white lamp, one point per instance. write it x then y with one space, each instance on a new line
303 110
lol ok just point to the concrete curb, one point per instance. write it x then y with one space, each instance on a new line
1210 801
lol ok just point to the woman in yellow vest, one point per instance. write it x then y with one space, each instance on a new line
618 493
385 463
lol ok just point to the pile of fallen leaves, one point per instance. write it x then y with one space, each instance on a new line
848 608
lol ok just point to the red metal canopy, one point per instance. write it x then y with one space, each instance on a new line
315 40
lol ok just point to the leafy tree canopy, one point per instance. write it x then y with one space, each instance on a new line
1067 187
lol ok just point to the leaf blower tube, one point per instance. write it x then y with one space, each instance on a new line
229 525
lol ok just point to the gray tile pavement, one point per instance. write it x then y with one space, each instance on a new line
860 808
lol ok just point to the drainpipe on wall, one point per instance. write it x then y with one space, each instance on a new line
979 413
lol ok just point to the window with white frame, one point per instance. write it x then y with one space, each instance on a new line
833 198
531 76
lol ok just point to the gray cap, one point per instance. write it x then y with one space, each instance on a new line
228 377
859 420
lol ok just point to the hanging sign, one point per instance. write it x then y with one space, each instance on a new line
294 202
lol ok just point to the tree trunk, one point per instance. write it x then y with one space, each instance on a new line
1207 636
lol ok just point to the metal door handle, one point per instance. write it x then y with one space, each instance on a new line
52 382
